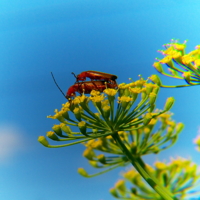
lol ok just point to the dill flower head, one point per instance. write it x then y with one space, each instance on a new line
126 109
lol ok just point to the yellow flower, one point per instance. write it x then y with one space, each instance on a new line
186 59
110 92
160 165
94 93
180 46
140 82
124 99
98 98
56 116
136 90
122 86
166 60
81 124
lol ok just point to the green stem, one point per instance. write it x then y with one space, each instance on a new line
162 191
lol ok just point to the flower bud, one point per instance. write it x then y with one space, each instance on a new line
144 94
169 103
156 79
113 192
120 185
106 110
43 141
89 154
101 158
187 77
52 135
82 172
179 128
160 165
56 128
147 118
82 127
65 128
152 98
77 113
158 67
65 114
156 89
94 163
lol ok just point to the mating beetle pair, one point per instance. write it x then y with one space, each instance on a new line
99 81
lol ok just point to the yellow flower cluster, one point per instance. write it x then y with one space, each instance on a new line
180 65
179 176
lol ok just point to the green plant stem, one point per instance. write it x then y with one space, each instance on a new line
139 166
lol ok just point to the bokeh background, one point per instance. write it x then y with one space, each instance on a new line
64 36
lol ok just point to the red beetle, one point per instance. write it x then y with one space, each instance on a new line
94 75
87 86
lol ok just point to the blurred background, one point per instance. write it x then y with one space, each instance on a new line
64 36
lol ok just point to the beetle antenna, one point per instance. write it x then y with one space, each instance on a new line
74 75
57 84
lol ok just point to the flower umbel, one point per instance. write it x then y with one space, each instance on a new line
180 65
110 118
180 176
123 127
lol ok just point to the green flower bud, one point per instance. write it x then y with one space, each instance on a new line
143 94
82 127
89 154
169 103
147 118
179 127
149 87
158 67
94 163
66 115
43 141
156 89
187 76
152 98
52 135
120 185
156 79
77 113
56 128
113 192
66 128
82 172
106 110
101 158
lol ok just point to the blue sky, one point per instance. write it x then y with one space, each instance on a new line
115 36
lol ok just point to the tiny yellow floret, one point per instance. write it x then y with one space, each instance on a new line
125 99
110 92
94 93
98 98
81 124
